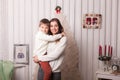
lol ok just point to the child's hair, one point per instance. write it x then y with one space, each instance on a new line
44 21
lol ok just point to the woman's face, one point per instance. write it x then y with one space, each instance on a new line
54 27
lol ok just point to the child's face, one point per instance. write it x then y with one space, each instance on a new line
44 28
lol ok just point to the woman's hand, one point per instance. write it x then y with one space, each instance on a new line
35 59
63 33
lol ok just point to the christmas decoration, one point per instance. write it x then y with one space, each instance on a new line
58 9
92 21
70 64
106 56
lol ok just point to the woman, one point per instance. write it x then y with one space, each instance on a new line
54 52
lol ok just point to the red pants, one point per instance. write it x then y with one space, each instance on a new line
46 69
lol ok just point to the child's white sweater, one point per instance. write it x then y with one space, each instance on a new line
41 42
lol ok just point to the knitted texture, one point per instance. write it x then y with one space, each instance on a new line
70 66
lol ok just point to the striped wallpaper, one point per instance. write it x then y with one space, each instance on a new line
19 22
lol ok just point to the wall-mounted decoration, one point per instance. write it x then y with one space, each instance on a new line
92 21
21 53
58 9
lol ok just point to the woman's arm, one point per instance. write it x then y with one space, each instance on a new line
46 37
57 52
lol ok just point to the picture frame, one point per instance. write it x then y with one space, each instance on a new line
92 21
21 53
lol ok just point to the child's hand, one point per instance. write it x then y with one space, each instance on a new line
35 59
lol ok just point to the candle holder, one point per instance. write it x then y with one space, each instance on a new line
106 61
104 58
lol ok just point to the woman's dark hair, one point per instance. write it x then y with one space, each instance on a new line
60 27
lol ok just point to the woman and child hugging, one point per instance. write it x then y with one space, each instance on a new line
50 42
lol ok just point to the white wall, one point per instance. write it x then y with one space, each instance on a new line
3 30
24 15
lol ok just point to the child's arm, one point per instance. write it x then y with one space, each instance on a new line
49 37
56 53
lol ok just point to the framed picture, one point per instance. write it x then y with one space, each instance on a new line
21 53
92 21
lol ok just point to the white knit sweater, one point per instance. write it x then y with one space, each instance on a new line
41 42
55 54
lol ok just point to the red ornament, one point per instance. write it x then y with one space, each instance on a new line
58 9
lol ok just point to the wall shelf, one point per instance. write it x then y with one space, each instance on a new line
101 75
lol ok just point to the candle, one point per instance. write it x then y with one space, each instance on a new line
105 51
109 51
100 51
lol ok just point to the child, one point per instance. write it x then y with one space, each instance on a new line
41 40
